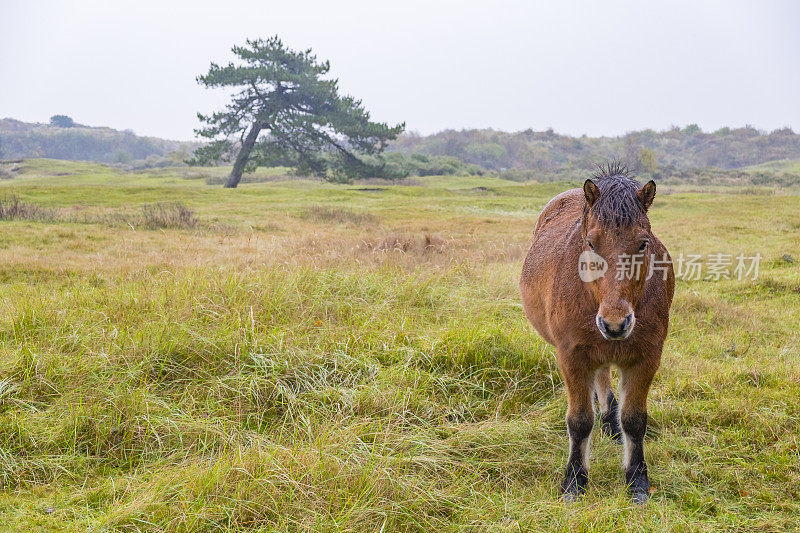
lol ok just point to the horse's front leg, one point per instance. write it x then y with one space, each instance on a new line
634 385
579 381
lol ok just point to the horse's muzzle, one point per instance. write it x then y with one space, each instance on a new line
615 331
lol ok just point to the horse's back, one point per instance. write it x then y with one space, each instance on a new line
551 244
560 210
552 231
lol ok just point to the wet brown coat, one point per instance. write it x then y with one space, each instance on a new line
565 311
562 308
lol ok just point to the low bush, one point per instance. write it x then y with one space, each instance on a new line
11 208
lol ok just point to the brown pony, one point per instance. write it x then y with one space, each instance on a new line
597 284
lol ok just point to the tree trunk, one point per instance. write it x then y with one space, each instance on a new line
241 159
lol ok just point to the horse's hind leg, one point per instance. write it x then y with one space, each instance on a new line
609 408
580 419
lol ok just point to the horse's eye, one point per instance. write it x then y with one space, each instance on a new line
643 246
591 246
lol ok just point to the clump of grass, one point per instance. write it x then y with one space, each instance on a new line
160 215
7 391
339 215
402 243
11 208
224 229
168 215
409 243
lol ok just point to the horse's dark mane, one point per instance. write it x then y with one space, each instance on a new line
618 204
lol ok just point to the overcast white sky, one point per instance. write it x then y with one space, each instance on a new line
594 67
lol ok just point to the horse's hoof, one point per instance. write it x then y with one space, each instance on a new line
574 488
639 491
574 494
639 497
638 483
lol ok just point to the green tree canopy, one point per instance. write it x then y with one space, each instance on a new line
691 129
62 121
286 111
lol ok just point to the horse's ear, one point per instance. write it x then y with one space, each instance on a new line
646 194
591 192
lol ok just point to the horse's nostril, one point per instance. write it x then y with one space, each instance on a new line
627 322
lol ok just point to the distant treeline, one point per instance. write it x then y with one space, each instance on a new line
680 148
540 155
65 139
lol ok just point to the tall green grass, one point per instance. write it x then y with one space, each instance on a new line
299 375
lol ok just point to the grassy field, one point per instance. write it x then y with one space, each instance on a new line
783 165
305 356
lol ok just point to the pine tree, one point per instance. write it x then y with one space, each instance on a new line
286 111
